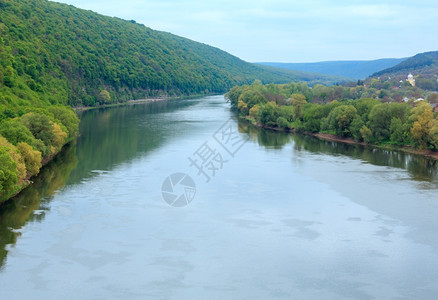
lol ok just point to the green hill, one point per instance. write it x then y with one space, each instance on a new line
353 70
425 64
423 67
56 53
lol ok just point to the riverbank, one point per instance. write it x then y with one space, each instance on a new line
348 140
140 101
129 102
27 181
407 149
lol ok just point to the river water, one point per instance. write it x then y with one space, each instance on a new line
270 215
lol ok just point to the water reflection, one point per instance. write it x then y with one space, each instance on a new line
420 168
30 204
109 136
267 138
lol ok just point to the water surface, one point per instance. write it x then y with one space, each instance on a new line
285 217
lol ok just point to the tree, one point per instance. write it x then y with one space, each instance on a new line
268 114
421 129
8 172
380 121
355 127
397 132
233 95
243 107
254 111
367 134
59 136
312 118
434 134
282 122
40 126
67 117
252 97
298 102
32 159
104 97
16 157
14 131
341 118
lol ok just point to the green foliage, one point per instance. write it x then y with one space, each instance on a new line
341 118
14 131
364 106
363 119
397 132
67 117
8 172
233 95
54 53
355 127
40 126
16 157
367 134
268 114
298 102
32 159
28 139
252 97
434 134
104 97
312 118
423 125
282 122
380 121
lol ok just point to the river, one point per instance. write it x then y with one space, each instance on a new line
263 214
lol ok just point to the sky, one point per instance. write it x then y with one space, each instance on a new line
289 30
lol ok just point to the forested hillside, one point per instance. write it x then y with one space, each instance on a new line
425 64
56 53
424 70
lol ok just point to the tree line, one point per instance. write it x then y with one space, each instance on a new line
298 107
30 138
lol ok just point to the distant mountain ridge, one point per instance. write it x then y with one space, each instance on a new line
352 70
425 64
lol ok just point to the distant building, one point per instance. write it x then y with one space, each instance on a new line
411 79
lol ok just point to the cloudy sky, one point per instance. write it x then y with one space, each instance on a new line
289 30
